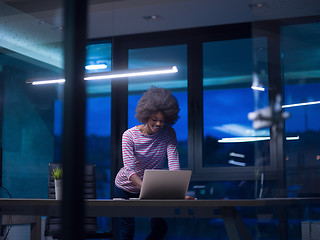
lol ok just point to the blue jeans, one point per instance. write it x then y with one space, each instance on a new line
158 225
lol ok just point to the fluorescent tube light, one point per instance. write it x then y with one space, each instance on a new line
258 88
300 104
114 74
233 162
233 154
132 73
96 67
48 81
243 139
293 138
250 139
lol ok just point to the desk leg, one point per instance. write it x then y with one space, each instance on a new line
234 225
35 232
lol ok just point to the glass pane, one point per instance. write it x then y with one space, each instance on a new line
301 75
31 48
98 57
98 120
98 123
228 70
177 83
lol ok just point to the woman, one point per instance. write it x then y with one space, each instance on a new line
146 146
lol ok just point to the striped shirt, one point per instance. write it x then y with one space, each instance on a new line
141 152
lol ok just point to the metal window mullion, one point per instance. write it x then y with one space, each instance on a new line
195 106
73 147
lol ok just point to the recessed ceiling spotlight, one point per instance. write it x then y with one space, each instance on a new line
58 28
39 22
153 17
258 5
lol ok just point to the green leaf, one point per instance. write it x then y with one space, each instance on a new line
57 173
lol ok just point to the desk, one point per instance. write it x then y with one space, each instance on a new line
226 209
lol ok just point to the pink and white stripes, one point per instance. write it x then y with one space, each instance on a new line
141 152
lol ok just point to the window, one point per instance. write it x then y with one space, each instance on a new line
27 111
98 123
301 76
98 57
228 73
177 83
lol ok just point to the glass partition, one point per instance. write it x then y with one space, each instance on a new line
293 46
98 122
98 117
301 76
236 74
31 48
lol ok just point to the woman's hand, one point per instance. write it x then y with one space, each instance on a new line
136 180
190 198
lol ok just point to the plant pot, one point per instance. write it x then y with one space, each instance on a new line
58 189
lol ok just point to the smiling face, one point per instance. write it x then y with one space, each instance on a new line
155 122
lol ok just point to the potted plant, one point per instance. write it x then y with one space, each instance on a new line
57 175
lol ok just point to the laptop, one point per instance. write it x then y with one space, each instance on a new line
165 184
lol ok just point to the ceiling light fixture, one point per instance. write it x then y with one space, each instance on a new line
153 17
58 28
251 139
300 104
243 139
96 67
61 80
258 88
113 75
132 73
293 138
237 163
258 5
238 155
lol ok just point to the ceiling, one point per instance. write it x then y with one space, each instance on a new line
121 17
35 28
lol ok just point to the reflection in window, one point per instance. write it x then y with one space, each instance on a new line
223 190
301 75
177 83
228 68
98 124
98 57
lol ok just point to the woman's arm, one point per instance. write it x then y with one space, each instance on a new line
172 151
136 180
128 154
129 160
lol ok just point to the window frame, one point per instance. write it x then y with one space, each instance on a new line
194 38
273 171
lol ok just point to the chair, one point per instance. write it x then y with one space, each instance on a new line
53 224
